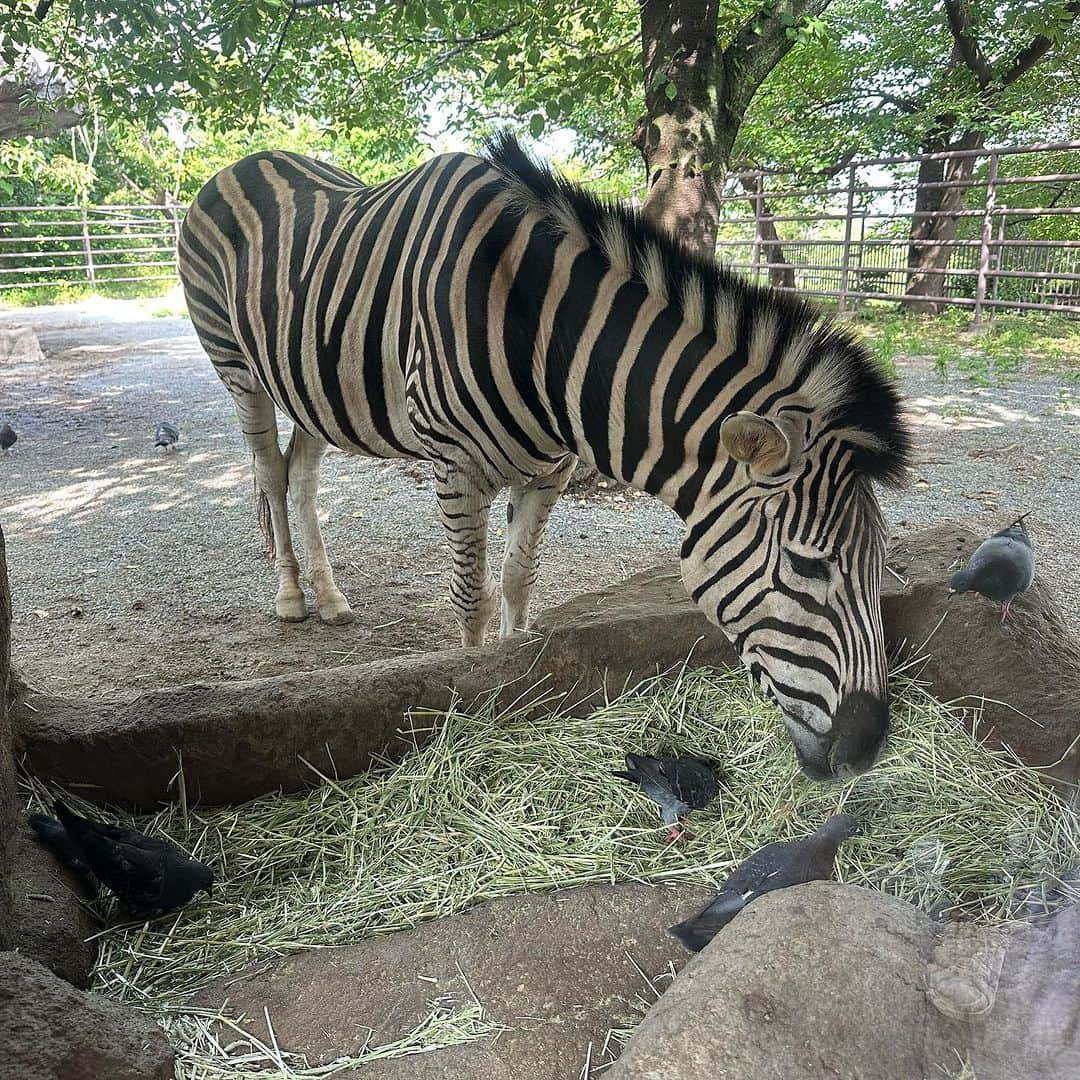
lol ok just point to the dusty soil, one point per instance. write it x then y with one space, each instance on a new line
133 568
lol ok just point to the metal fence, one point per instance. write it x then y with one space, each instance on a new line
80 245
1011 242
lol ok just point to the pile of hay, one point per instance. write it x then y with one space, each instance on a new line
500 802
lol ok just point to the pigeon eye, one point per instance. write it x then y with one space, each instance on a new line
817 569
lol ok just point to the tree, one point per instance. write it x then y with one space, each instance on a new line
942 178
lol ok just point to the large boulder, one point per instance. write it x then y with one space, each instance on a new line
51 1031
833 982
34 100
822 981
51 921
558 972
1024 675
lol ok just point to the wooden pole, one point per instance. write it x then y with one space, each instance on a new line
88 253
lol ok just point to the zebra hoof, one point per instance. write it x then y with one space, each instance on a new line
291 608
336 613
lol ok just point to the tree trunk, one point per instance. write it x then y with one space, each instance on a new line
783 274
678 134
934 223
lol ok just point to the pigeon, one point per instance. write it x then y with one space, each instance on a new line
167 435
776 866
148 875
676 785
1002 567
8 438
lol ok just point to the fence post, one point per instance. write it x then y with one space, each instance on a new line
756 257
88 252
998 249
845 262
984 246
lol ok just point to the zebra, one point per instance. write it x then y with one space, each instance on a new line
486 314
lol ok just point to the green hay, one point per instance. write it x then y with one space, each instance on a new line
507 801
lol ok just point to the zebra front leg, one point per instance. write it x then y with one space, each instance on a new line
259 425
527 515
305 456
464 502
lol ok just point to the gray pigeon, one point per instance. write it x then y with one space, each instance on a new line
1002 567
777 866
149 875
167 435
676 785
8 438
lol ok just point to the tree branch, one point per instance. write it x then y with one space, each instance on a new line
759 46
1034 51
959 17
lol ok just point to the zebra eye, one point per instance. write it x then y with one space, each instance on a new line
809 568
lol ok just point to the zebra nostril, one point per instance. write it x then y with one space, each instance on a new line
859 728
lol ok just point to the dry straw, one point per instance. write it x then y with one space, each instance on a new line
494 801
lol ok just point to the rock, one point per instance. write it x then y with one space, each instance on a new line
19 344
51 1031
1035 1018
7 765
822 981
833 982
557 970
230 735
51 924
1028 671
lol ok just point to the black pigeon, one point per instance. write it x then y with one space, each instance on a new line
1002 567
8 438
676 785
148 875
167 435
776 866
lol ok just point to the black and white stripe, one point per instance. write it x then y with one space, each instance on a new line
487 315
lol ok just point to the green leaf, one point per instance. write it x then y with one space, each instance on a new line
671 91
536 125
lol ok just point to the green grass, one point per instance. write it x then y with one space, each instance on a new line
36 295
492 802
1043 344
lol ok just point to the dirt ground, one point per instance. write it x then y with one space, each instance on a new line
133 568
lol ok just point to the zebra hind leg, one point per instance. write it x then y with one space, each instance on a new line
258 422
464 502
527 515
305 456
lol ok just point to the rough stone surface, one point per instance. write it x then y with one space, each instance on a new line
7 767
238 740
1028 670
242 739
831 982
51 924
822 981
557 970
19 345
32 101
51 1031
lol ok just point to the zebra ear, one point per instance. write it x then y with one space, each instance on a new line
759 442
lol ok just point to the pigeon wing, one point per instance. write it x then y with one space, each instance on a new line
692 780
697 932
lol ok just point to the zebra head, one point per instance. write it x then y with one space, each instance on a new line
786 556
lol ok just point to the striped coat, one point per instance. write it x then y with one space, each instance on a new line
485 314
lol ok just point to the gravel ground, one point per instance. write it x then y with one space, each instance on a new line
133 569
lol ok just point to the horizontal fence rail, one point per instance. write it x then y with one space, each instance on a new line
1008 237
999 231
87 245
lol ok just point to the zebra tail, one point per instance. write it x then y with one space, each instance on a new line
262 503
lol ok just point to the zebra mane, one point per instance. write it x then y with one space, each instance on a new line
829 366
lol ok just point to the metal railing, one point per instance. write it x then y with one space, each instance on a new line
86 245
1012 242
